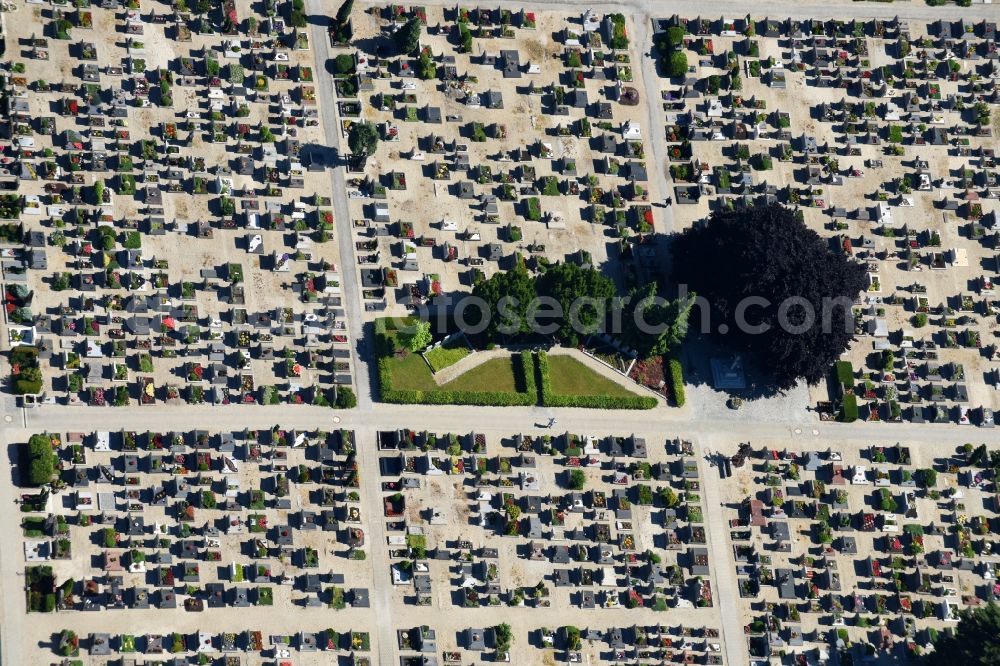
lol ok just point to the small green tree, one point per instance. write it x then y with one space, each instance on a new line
677 64
99 191
343 64
344 13
573 642
577 479
407 36
362 140
346 398
668 496
41 460
417 336
504 637
927 477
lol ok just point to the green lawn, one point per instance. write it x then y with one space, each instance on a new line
443 357
497 374
410 372
570 377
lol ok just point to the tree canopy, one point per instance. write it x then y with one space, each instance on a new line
41 460
654 327
583 295
407 36
519 288
362 140
676 64
416 336
975 642
776 289
344 13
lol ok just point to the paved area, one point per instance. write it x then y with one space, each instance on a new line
348 264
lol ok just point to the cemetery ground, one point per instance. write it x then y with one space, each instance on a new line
171 251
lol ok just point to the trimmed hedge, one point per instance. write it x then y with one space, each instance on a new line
849 409
528 373
845 373
550 399
676 375
39 461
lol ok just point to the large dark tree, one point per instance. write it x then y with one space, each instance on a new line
407 36
975 642
766 253
584 294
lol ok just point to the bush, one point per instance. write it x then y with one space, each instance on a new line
577 479
675 36
343 64
849 409
345 398
845 373
676 64
41 460
676 373
927 477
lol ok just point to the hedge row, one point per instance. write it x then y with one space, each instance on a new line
550 399
676 374
527 363
544 380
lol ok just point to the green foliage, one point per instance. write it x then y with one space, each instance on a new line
845 373
407 36
344 13
417 336
582 293
426 67
41 460
676 376
675 36
975 642
722 259
343 64
363 139
927 477
665 323
507 296
345 398
849 409
504 637
676 64
26 375
577 479
465 38
573 642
